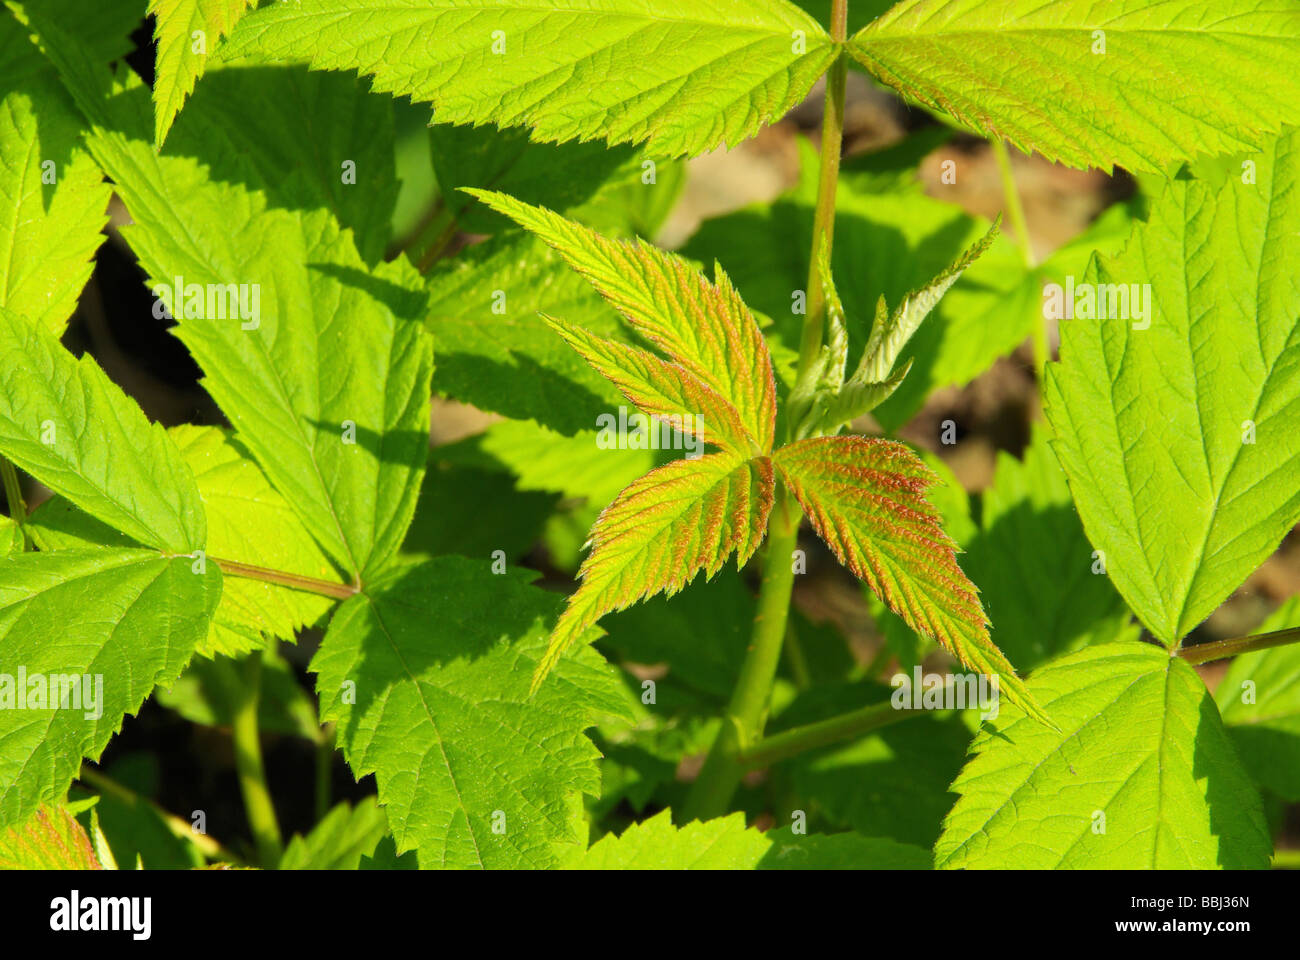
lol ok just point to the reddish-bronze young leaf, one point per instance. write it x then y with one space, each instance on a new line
703 326
660 389
679 519
866 498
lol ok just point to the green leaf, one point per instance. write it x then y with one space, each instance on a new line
1141 744
1259 697
703 327
436 658
51 840
726 844
128 617
1185 512
327 384
186 31
340 840
1043 589
683 79
1127 82
866 498
54 202
64 422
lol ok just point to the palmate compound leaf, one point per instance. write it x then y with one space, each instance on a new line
684 78
186 31
69 426
1140 775
866 498
426 676
1097 82
320 362
690 515
121 622
727 844
1175 421
704 327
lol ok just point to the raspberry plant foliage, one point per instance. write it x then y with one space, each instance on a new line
501 723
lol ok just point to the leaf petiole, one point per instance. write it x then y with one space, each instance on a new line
1220 649
810 736
326 588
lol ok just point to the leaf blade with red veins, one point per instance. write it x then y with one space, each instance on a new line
660 389
703 326
866 499
683 517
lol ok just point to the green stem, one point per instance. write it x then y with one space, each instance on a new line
252 774
828 179
1016 214
1219 649
746 714
340 591
848 726
14 497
